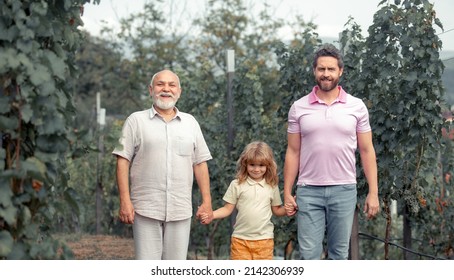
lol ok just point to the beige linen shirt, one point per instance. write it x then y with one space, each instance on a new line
253 201
162 155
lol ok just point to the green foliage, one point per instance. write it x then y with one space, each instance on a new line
49 159
397 71
296 74
104 70
406 98
37 45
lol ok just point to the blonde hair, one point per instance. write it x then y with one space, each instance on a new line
257 152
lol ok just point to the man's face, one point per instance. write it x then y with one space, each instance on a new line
165 90
327 73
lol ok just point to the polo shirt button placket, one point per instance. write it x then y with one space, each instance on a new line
328 114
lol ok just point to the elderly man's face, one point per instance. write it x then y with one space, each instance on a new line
165 90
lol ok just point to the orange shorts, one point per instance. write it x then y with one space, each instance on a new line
241 249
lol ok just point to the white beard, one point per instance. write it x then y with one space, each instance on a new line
162 104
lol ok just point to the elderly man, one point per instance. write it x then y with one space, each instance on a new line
160 151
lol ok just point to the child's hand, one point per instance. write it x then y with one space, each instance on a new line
203 216
290 206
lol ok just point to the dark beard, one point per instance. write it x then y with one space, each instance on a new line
329 87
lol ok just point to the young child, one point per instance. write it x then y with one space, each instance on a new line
255 194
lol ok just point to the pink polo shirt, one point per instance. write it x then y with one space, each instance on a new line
328 137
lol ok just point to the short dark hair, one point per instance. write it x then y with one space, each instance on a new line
329 50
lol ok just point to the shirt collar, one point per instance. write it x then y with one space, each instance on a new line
153 112
313 98
251 182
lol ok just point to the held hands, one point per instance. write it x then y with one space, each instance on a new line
204 214
204 218
290 205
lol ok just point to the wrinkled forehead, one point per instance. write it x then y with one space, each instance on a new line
165 77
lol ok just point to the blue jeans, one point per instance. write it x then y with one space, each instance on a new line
321 208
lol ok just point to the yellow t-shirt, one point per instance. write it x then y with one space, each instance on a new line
253 202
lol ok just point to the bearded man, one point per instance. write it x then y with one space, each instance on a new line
325 130
161 150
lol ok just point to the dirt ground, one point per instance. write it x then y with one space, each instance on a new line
105 247
102 247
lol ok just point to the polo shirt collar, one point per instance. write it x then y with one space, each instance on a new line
251 182
313 98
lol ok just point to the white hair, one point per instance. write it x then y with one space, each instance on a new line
154 76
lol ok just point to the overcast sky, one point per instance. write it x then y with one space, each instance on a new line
329 15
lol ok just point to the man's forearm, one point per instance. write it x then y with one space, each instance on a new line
203 181
123 178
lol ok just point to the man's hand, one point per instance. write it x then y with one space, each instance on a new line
290 205
126 212
371 206
204 214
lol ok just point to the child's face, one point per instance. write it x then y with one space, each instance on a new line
256 170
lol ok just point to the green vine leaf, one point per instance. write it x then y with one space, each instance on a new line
6 243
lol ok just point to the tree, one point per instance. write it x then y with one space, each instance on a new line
103 68
402 73
37 45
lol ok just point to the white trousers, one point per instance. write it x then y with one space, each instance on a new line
158 240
